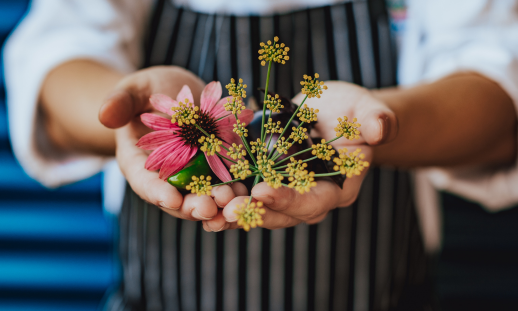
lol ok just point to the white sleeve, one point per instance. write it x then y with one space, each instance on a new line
444 37
54 32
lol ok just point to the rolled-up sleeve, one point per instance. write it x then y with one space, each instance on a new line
52 33
445 37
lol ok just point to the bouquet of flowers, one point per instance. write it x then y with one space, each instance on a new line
197 144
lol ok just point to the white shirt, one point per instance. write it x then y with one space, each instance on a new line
443 36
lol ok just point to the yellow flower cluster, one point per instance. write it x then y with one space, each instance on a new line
299 134
302 182
273 127
307 114
264 165
249 215
348 129
296 167
236 151
273 52
273 103
234 105
184 113
258 147
240 129
271 177
350 164
312 87
200 186
241 169
236 90
282 145
210 145
323 150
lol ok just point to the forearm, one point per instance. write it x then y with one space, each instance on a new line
464 119
70 99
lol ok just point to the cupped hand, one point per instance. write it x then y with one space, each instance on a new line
122 111
286 207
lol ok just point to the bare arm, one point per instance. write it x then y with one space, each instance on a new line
461 120
71 97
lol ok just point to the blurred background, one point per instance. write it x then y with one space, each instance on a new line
56 246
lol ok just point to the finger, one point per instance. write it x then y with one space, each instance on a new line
271 219
222 195
118 109
239 189
196 207
216 224
145 183
378 126
352 185
319 200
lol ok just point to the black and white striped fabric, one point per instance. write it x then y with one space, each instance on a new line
368 256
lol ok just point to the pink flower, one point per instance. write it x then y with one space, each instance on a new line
175 145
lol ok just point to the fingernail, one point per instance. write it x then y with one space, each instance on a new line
383 129
197 215
163 205
230 219
220 229
267 200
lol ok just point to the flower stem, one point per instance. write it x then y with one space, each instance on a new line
245 143
294 155
327 174
289 122
277 155
222 156
202 130
265 96
307 160
223 117
234 180
255 183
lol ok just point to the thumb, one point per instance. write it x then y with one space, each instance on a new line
379 126
118 109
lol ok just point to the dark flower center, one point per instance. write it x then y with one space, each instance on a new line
191 134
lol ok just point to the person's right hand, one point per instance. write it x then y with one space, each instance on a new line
122 110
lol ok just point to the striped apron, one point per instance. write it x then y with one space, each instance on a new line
368 256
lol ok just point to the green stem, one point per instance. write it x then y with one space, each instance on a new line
202 130
294 155
289 122
229 182
255 183
307 160
332 140
223 117
222 156
265 96
245 143
327 174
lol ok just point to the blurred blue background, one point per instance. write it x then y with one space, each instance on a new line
55 246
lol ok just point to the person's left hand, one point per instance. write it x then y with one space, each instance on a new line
286 207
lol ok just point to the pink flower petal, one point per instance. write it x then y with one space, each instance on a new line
156 139
157 123
176 161
185 92
156 158
218 168
210 96
229 136
219 111
163 103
